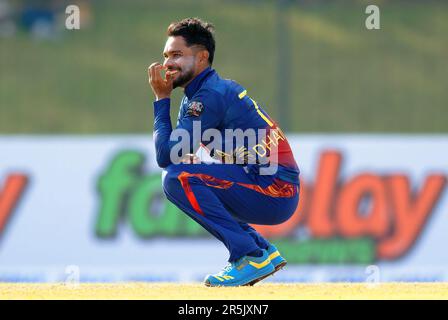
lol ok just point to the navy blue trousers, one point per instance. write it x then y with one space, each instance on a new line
224 199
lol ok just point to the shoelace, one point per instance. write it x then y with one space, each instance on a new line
228 267
231 265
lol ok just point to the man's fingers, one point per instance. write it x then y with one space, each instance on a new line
151 68
155 73
154 64
161 85
151 74
190 159
169 75
152 71
158 74
168 79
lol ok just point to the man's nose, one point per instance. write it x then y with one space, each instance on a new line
168 63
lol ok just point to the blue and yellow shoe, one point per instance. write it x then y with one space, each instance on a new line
277 261
245 271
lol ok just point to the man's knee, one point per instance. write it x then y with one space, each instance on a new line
287 211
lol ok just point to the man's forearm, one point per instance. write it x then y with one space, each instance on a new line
162 131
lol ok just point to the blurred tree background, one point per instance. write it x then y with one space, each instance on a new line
342 77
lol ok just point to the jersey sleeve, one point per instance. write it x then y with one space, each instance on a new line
205 110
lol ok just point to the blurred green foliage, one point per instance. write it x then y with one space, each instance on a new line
345 78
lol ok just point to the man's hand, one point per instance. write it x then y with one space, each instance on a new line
161 87
190 158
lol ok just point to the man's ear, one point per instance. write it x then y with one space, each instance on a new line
203 55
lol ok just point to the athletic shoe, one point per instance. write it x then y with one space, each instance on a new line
242 272
277 260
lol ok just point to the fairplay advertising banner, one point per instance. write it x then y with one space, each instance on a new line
372 208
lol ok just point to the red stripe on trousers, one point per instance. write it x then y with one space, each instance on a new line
279 189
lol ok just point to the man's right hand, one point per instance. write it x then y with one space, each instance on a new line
161 87
190 158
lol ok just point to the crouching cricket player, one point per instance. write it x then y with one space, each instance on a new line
256 180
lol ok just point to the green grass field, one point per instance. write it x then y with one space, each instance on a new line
344 77
268 291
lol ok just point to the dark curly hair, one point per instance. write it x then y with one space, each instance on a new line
195 32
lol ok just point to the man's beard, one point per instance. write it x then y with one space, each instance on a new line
183 78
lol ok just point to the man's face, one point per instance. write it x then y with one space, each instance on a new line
179 57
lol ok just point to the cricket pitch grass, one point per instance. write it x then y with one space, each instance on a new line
269 291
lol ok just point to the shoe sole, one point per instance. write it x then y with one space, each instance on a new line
280 266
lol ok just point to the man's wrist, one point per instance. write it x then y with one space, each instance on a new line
162 97
162 107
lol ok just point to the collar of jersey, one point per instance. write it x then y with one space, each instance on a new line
196 83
